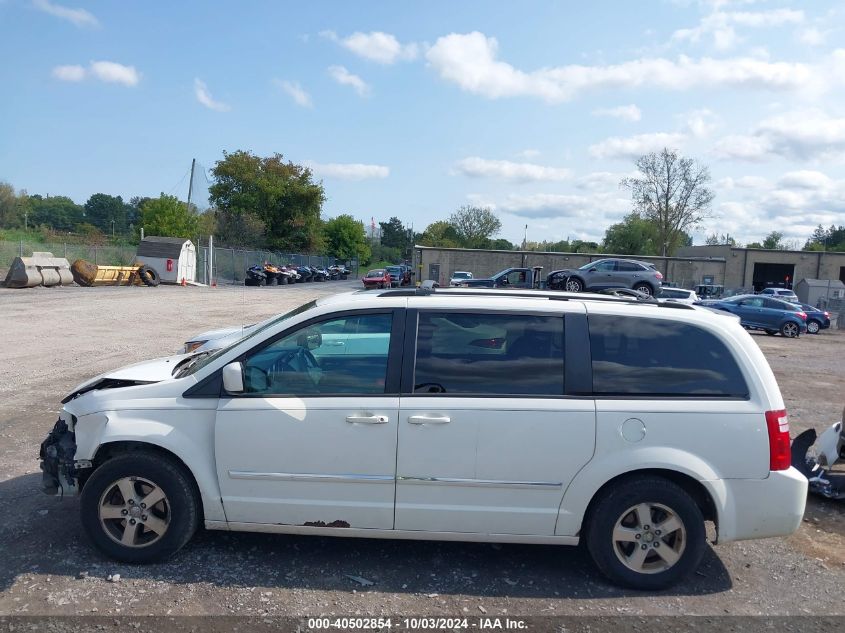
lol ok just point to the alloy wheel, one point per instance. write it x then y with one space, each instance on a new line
134 512
649 538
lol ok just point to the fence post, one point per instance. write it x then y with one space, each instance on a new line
21 249
95 256
65 245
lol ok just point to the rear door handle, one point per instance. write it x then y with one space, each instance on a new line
422 419
366 419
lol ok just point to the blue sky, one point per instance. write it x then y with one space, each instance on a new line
536 109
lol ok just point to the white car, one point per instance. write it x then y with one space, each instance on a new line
458 276
475 415
678 295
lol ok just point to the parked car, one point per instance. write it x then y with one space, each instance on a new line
396 274
480 416
757 312
607 273
817 319
378 278
780 293
679 295
509 278
458 276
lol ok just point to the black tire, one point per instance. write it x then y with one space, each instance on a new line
644 288
790 329
270 281
283 280
813 326
771 332
573 284
183 507
616 503
149 276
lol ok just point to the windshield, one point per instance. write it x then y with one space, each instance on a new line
375 273
199 361
461 275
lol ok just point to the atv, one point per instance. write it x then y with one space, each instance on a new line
815 457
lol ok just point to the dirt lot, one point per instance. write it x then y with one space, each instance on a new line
53 339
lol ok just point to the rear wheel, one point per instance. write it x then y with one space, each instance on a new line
644 288
139 507
574 285
813 326
790 329
646 533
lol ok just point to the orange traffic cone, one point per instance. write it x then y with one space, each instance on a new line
213 283
183 282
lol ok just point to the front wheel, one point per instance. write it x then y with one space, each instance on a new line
139 507
790 329
646 533
813 326
574 285
644 288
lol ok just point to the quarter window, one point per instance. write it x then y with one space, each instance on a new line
338 356
660 358
489 354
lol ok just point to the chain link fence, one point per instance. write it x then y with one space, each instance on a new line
230 264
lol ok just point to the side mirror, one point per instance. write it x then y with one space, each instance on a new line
233 378
592 270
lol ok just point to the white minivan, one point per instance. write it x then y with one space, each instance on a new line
450 414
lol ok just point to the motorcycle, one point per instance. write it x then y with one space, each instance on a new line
815 458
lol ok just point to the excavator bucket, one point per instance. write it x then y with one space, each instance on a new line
42 269
86 273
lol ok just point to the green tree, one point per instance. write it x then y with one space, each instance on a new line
773 241
634 235
394 234
167 216
714 239
832 239
9 208
107 213
59 213
282 195
346 239
475 226
501 244
672 192
442 234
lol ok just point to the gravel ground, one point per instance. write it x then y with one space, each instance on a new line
55 338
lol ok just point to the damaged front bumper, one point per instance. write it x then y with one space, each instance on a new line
59 470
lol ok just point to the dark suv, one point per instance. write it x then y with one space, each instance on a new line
607 273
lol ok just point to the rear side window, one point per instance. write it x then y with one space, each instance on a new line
629 267
489 354
660 358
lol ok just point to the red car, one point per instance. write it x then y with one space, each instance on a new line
378 278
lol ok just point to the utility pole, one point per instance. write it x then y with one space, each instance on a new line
191 182
525 238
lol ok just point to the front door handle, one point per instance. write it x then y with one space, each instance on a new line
336 343
366 419
422 419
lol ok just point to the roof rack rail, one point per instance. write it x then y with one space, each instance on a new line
551 295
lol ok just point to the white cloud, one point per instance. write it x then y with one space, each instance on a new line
805 179
78 17
812 36
348 171
477 167
205 98
595 208
346 78
528 153
626 112
470 61
743 182
375 46
629 147
800 134
295 92
719 25
69 73
112 72
700 123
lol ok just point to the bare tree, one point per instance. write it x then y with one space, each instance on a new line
672 192
475 225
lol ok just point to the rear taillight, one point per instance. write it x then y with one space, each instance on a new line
777 423
803 315
659 275
827 315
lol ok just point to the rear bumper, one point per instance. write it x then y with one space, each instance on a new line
762 508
